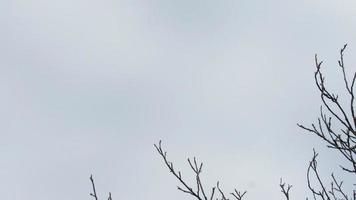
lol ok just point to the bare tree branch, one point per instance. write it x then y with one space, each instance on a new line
285 188
341 139
94 190
93 194
198 193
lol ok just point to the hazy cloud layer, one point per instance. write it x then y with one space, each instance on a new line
89 86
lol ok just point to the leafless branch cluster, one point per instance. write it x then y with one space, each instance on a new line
200 192
334 192
93 194
285 189
342 138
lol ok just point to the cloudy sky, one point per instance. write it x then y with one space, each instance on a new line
89 87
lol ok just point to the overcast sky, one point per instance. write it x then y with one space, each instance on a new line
89 86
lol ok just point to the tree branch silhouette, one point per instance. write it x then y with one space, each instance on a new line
342 138
285 189
93 194
199 192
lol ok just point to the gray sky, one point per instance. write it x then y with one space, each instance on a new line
89 86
